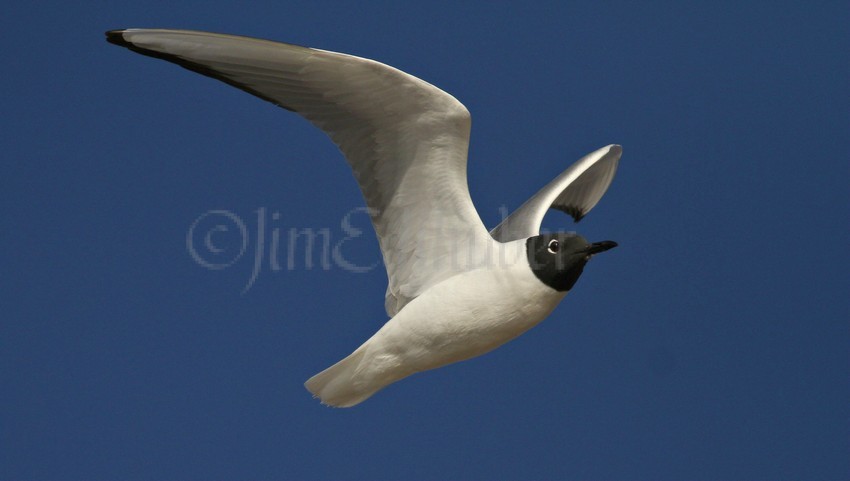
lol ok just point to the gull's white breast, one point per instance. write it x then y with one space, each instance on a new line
460 318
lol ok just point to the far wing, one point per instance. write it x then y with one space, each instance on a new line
575 191
405 140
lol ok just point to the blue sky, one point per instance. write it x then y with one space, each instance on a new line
712 344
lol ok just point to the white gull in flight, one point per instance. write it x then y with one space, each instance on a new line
455 291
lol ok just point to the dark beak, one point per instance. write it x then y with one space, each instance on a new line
598 247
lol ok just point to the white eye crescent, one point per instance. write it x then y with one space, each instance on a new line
554 246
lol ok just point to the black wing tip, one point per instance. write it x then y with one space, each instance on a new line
117 37
616 149
575 212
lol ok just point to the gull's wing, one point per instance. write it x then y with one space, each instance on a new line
405 140
575 192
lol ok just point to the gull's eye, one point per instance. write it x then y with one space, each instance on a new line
554 246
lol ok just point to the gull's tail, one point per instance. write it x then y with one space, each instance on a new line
343 385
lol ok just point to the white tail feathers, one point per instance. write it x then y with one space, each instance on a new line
339 386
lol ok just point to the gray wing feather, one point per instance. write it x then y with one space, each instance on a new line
575 191
405 140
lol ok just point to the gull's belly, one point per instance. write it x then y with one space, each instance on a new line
466 316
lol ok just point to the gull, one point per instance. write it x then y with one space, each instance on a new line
455 291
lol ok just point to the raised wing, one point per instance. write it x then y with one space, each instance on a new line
575 191
405 140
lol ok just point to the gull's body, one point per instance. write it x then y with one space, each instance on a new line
460 318
455 290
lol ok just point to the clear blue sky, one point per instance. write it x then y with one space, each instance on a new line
714 343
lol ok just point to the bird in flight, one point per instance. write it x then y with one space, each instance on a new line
455 291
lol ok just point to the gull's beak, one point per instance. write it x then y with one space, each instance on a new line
598 247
